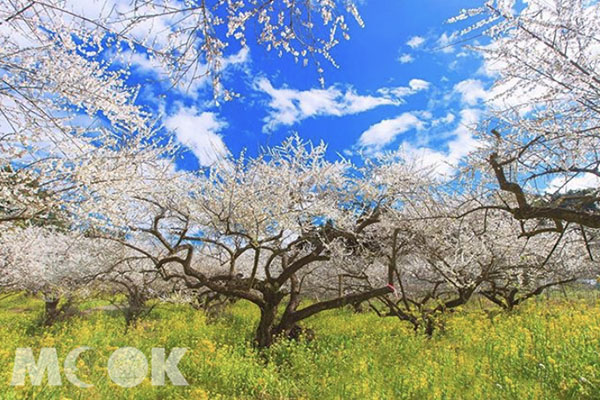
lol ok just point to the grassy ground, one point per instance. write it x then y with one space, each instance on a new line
547 349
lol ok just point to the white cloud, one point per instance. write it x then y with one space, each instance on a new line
195 77
241 57
200 132
142 62
461 143
583 181
445 42
464 142
289 106
512 95
471 91
406 58
416 41
158 31
384 132
418 84
399 92
447 120
434 160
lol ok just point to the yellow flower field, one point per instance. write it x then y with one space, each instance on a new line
547 349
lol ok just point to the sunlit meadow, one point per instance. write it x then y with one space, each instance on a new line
547 349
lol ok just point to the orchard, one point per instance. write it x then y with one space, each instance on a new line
141 199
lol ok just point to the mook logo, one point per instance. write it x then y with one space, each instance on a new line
126 367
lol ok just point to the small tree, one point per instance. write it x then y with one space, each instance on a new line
134 277
51 263
528 267
440 257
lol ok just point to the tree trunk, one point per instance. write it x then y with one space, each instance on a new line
429 326
134 310
510 305
265 331
51 311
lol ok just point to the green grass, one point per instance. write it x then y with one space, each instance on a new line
547 349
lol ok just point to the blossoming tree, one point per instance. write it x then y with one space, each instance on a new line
540 143
50 262
257 229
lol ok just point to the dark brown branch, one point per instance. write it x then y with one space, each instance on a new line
338 302
526 211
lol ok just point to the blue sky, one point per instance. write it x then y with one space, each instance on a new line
399 85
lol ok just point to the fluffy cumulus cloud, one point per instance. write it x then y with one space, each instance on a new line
406 58
578 182
194 78
384 132
416 41
463 141
418 84
399 92
443 161
471 91
447 120
199 131
460 143
445 42
288 106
